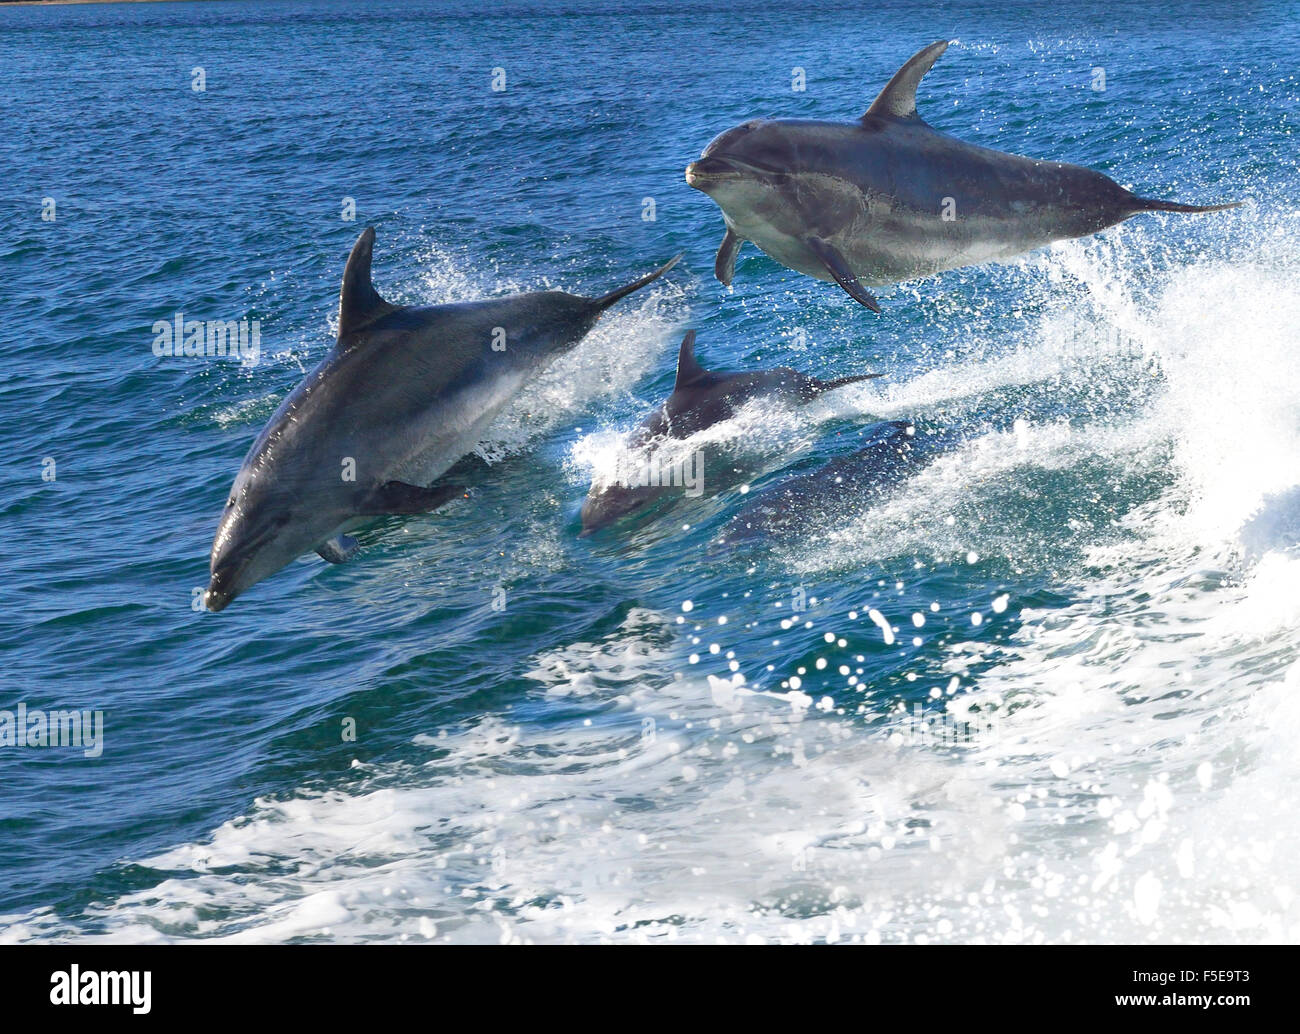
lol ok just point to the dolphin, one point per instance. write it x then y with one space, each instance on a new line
892 452
888 198
700 399
405 392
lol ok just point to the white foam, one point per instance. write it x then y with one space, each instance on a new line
759 434
1137 784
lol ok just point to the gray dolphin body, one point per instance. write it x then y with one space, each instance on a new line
846 484
405 393
888 198
700 399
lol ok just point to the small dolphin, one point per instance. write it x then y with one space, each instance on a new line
888 198
700 399
891 454
405 393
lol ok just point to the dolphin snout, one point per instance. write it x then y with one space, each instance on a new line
708 170
215 599
220 591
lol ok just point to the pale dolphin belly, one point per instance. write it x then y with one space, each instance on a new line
888 239
450 430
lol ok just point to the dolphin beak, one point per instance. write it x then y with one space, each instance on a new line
215 600
217 597
707 170
704 172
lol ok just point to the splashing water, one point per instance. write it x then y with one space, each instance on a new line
1043 690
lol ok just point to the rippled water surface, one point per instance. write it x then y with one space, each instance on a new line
1097 575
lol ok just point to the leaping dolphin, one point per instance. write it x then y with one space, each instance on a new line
700 399
889 198
405 393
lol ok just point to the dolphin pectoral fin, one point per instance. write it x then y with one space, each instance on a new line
397 497
898 98
338 549
724 267
839 269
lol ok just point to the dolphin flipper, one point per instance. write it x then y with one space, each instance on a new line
724 267
397 497
338 549
898 98
839 269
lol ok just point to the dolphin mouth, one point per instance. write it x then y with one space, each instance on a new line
716 168
229 572
712 169
222 589
216 599
215 602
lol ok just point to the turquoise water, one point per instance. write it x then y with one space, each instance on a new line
1106 563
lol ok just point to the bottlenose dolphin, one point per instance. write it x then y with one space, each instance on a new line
892 452
700 399
888 198
405 393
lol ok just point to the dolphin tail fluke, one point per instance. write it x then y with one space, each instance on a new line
1146 204
636 285
840 382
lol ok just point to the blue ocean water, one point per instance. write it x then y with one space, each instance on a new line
656 738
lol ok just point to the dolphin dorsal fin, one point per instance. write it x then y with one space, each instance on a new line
687 367
898 99
359 302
